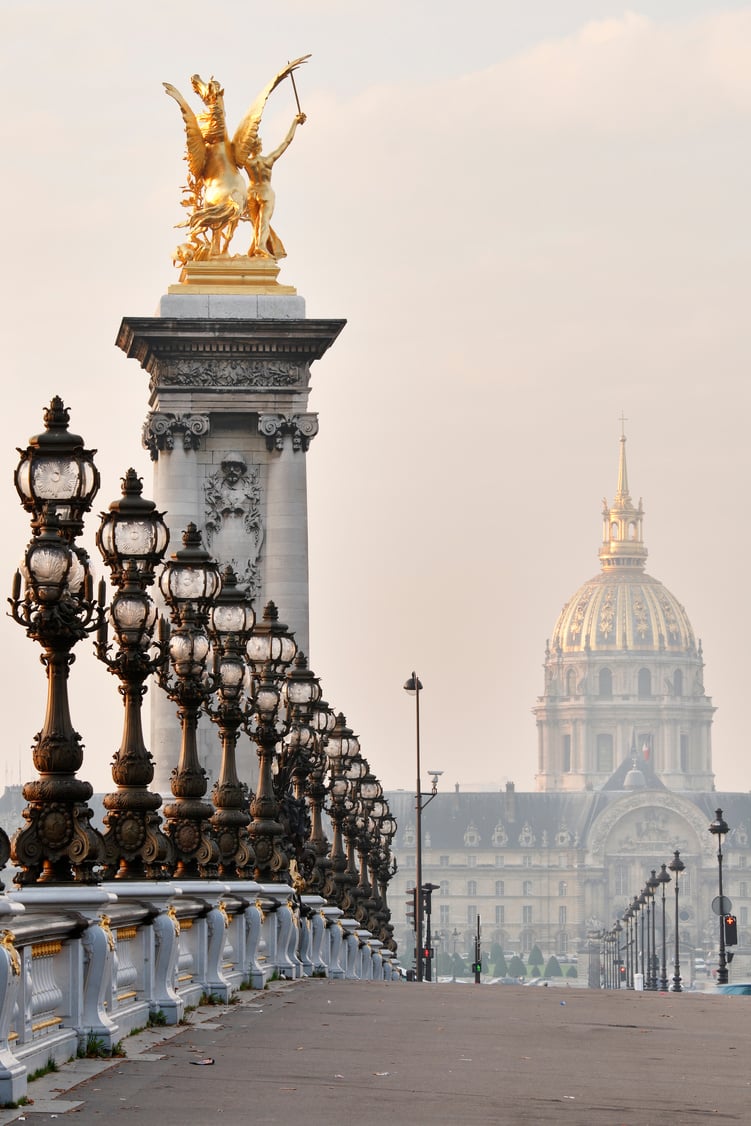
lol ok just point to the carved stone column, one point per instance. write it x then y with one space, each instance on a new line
220 359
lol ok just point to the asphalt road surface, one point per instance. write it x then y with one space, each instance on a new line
317 1053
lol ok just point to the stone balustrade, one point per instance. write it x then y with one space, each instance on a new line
82 967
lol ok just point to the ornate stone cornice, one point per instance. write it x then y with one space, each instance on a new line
160 429
301 428
226 352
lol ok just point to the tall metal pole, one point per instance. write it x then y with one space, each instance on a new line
418 823
676 865
719 829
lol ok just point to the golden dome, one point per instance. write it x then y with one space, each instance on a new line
623 608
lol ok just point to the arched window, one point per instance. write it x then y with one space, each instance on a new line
678 683
645 684
571 682
606 684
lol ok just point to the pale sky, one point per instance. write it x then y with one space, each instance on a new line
534 217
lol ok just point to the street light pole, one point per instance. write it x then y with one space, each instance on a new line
719 829
664 878
414 687
676 866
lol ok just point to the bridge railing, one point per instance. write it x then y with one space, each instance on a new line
83 967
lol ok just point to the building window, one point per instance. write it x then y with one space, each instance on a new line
678 683
562 912
499 861
741 861
527 861
409 861
606 684
562 887
526 915
444 862
471 887
684 753
444 889
571 682
500 888
563 943
621 881
471 861
743 890
445 914
605 754
471 914
500 915
644 688
743 916
566 754
527 888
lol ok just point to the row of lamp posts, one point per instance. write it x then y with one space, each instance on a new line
630 955
637 955
213 657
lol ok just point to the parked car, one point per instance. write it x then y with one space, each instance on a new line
736 988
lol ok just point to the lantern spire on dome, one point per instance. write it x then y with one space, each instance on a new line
622 543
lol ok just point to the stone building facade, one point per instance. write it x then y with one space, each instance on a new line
624 778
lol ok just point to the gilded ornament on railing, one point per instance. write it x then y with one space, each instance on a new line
104 923
222 909
229 181
13 956
172 915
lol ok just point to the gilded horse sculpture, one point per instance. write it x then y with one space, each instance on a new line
217 194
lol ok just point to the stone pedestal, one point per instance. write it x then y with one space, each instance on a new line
228 430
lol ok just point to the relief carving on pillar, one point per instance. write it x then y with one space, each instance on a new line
234 373
233 520
301 428
162 429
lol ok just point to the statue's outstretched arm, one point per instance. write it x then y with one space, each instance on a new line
195 142
277 152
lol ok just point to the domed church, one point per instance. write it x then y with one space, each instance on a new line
624 780
624 678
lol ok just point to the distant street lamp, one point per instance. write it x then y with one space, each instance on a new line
663 878
719 829
651 886
676 866
414 687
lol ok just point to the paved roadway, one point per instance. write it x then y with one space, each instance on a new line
317 1053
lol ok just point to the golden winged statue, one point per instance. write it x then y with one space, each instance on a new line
217 194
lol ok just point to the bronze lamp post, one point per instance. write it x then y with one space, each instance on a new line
56 480
132 539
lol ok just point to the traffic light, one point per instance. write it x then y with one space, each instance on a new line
412 908
622 970
477 967
426 952
731 930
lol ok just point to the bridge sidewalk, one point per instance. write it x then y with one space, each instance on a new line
316 1052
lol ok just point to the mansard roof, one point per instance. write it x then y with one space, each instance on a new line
512 820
